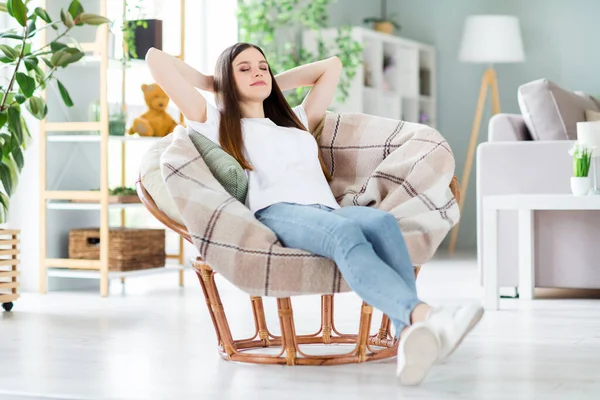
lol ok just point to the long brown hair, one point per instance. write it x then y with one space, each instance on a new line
275 106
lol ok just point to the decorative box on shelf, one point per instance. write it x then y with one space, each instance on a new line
128 248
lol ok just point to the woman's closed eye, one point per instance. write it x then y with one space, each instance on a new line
248 69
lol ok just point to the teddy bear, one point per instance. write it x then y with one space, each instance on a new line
156 121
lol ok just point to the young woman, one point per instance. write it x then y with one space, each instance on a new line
289 193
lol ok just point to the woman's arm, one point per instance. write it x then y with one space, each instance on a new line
323 76
179 81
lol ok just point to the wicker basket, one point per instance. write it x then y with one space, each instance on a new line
128 249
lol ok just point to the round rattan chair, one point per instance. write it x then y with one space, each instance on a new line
364 346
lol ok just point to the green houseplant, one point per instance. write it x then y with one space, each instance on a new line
276 25
27 76
582 157
128 28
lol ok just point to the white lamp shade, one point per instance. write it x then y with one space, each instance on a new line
492 39
588 133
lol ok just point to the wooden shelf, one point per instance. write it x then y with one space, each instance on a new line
9 262
8 297
96 138
9 252
72 195
67 205
72 263
10 273
9 285
72 126
91 274
92 164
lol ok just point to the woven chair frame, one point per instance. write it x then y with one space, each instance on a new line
364 346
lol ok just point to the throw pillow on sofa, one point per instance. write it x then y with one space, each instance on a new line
591 115
551 112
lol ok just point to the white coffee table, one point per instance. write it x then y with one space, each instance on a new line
525 204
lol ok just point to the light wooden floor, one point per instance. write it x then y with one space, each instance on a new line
156 341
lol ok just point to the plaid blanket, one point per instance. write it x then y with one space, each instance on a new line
397 166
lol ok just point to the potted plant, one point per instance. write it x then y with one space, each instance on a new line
384 23
582 156
26 78
116 121
140 34
123 194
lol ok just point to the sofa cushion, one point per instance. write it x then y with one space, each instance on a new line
591 115
551 112
507 128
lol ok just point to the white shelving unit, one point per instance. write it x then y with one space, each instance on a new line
78 157
405 89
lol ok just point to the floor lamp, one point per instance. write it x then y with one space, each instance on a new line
487 39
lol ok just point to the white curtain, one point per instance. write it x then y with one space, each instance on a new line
211 26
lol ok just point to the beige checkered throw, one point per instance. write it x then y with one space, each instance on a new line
396 166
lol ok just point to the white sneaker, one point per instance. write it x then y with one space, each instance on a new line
417 352
452 324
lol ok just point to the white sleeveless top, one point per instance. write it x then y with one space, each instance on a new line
285 161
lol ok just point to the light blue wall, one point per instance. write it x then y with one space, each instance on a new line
561 43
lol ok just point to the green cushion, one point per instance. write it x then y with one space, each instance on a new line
224 168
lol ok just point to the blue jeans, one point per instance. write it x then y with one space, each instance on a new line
365 243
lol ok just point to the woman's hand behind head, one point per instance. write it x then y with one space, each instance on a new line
209 84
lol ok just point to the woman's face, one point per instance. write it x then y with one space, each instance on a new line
251 75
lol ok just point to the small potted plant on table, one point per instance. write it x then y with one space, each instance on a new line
582 156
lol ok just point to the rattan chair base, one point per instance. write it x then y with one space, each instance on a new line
362 346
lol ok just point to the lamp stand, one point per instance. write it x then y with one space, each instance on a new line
488 80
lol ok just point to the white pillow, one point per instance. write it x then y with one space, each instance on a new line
152 180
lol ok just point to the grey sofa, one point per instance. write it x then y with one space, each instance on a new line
567 244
